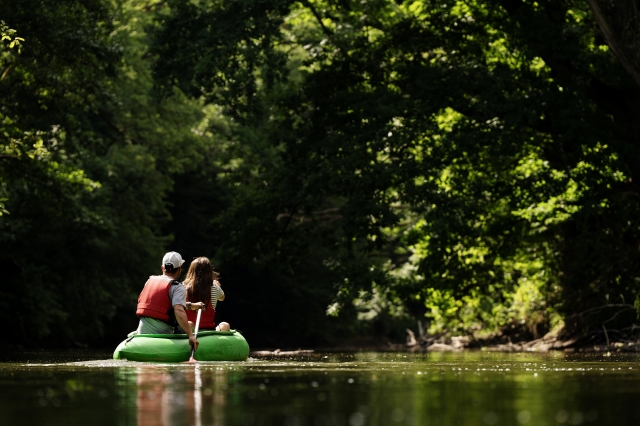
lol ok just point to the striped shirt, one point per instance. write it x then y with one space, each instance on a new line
216 294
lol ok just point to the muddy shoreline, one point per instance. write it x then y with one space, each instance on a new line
441 347
545 344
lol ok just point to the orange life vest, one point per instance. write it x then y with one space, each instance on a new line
207 318
154 300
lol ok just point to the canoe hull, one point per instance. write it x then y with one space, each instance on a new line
214 346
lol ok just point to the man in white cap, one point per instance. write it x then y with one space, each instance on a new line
162 303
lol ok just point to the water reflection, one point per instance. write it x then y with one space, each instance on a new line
328 390
180 396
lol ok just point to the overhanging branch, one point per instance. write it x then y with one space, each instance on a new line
613 40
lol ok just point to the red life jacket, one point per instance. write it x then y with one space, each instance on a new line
154 300
207 318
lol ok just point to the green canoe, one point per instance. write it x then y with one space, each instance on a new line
214 346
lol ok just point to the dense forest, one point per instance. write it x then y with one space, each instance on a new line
353 168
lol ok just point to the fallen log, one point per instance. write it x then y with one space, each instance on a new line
278 352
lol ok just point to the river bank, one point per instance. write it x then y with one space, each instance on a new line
551 342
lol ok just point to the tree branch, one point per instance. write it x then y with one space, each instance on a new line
612 41
326 30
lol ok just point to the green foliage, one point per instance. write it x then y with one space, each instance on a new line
473 158
9 36
87 160
348 165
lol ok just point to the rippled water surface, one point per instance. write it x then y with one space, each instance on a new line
471 388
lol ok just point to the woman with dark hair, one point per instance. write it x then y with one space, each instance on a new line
203 289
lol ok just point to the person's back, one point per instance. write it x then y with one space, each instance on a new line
162 302
155 305
202 286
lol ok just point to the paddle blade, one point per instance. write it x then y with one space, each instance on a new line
191 359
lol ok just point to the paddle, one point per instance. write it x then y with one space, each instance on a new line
195 334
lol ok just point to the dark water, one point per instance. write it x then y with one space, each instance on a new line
472 388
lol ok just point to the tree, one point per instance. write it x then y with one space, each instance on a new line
88 160
619 23
477 156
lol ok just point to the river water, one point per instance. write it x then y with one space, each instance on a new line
328 389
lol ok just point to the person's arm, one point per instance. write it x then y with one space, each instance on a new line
181 317
220 292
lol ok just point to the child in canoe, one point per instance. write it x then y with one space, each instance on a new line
203 289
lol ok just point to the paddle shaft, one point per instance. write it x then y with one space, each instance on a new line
195 334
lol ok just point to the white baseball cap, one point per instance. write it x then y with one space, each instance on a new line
172 258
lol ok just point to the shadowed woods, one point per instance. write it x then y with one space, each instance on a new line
352 168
